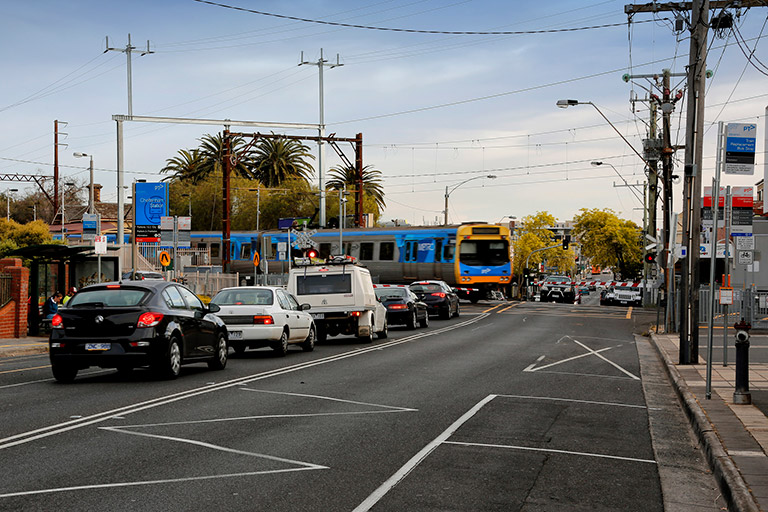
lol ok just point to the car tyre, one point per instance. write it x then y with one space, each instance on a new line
281 347
458 310
169 367
424 322
309 344
445 314
368 338
322 334
64 372
384 332
412 321
219 361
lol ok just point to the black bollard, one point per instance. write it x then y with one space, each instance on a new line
741 395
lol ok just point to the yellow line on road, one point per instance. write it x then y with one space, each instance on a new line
508 307
629 312
24 369
491 309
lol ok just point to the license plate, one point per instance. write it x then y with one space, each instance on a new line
98 346
318 316
235 335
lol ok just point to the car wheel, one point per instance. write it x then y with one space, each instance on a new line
169 366
445 314
63 372
412 321
309 343
322 334
219 361
384 332
368 338
281 347
458 310
424 322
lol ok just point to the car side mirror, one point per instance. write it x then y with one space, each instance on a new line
214 308
304 307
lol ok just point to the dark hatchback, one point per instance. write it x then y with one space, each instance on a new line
137 323
403 306
440 298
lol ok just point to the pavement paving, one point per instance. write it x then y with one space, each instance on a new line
734 436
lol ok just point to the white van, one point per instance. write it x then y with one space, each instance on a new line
342 299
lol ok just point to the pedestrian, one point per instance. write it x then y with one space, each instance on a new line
70 293
51 306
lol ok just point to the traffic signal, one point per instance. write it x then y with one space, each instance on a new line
526 272
311 253
650 257
566 242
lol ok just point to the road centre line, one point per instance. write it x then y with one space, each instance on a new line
25 369
50 430
629 313
549 450
510 306
492 308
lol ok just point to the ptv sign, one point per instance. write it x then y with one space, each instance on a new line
740 148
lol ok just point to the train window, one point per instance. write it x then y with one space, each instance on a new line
386 251
245 251
366 251
448 252
214 250
411 251
438 249
202 245
325 250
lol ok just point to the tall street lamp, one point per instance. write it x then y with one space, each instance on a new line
449 192
8 203
189 211
91 205
67 184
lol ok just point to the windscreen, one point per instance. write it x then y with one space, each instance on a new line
425 288
490 253
247 297
108 297
323 283
397 293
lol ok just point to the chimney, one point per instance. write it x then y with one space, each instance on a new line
96 193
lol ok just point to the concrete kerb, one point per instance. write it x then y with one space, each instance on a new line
731 483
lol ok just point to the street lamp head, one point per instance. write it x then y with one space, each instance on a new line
13 190
596 163
78 154
69 184
491 176
567 103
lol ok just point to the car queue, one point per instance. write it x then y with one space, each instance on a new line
163 325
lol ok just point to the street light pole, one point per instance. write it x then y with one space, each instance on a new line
449 192
91 204
8 203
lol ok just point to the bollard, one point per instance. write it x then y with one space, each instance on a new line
741 395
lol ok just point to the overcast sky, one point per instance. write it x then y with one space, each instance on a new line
434 109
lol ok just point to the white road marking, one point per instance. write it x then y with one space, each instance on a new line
401 473
403 409
555 399
635 377
548 450
590 352
562 361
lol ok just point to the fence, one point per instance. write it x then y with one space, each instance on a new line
209 283
5 289
150 252
751 305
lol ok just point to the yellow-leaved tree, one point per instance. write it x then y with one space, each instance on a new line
609 241
536 233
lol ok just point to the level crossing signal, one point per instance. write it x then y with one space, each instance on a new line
650 257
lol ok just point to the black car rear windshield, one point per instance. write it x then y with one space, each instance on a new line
322 284
426 288
247 297
398 293
109 297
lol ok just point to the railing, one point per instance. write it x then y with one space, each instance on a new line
209 283
5 289
751 305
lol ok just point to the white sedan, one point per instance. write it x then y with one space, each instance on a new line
265 316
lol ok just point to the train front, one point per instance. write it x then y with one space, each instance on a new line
483 262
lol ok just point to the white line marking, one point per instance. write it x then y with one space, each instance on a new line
555 399
746 453
50 430
149 482
579 374
306 465
635 377
329 398
401 473
564 360
547 450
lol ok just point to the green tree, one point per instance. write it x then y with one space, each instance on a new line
609 241
197 165
15 236
277 160
536 233
372 187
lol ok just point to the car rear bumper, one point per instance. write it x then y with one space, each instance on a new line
399 317
254 333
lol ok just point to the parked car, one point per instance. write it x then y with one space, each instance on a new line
438 296
142 275
137 323
265 316
403 306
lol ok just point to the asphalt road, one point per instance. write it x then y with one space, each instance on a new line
524 406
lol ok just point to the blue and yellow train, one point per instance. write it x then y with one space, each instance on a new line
472 257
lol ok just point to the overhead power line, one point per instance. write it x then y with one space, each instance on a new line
419 31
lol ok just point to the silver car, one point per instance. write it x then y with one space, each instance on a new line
265 316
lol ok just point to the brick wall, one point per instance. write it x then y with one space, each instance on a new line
13 316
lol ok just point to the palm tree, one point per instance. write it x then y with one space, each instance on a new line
187 165
198 164
347 175
276 160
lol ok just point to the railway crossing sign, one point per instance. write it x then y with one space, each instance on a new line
165 258
304 239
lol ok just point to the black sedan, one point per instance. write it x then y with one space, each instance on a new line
136 323
440 298
403 306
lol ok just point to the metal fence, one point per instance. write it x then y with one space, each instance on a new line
209 283
5 289
150 252
751 305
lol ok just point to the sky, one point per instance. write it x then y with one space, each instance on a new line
437 111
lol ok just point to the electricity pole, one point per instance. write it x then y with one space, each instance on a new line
127 51
321 63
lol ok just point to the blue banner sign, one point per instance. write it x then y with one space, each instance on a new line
151 203
740 148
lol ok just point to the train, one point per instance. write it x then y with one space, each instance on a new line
473 257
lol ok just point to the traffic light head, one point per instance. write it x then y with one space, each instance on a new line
312 253
649 257
566 242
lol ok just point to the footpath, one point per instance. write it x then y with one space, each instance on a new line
734 437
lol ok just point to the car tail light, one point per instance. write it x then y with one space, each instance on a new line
354 313
57 322
398 306
439 294
263 320
149 319
113 286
